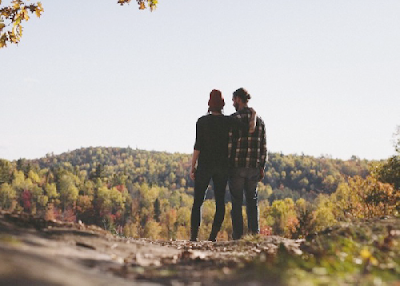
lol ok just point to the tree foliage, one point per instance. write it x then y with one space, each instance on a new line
389 171
16 12
141 193
143 4
12 17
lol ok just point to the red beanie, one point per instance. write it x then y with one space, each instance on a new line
216 102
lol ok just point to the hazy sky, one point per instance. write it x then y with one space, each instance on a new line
324 75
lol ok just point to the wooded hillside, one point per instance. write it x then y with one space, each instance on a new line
139 193
298 173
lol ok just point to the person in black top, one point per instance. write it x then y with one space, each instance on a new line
211 155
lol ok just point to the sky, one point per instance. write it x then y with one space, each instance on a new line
323 75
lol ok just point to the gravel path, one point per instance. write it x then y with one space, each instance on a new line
36 252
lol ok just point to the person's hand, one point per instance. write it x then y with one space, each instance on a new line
253 112
193 173
262 174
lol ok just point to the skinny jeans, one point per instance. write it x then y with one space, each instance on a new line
203 175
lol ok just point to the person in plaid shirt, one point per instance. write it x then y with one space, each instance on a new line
247 157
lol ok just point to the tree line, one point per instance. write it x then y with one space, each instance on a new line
139 193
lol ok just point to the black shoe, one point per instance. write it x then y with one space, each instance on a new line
193 234
213 235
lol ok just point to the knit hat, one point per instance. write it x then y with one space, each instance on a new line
216 102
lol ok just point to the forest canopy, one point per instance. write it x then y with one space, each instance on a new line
139 193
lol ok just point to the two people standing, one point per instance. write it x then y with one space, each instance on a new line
228 148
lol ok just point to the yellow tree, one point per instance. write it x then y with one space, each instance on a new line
5 170
7 196
19 183
51 191
132 229
152 230
283 214
323 215
346 203
183 223
207 218
68 191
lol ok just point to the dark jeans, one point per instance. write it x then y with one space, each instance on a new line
202 180
244 179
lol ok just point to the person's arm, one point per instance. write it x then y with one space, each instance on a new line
195 157
263 152
252 123
196 152
243 123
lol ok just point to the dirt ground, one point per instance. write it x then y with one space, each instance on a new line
36 252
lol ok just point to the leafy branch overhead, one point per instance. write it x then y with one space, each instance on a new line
152 4
11 18
13 14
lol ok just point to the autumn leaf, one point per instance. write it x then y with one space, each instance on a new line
39 9
25 14
122 2
3 40
18 11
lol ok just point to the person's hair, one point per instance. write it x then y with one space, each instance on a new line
242 94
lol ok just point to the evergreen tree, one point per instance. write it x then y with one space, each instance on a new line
157 210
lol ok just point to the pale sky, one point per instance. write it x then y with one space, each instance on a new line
324 75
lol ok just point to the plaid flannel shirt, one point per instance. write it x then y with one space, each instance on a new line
247 150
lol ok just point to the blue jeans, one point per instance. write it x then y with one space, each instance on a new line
203 176
244 179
